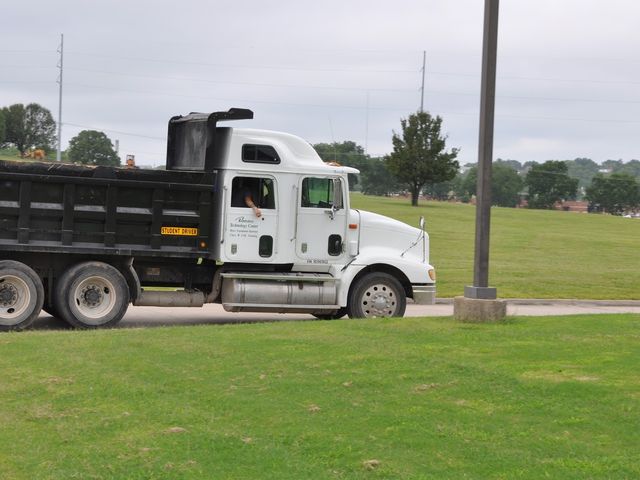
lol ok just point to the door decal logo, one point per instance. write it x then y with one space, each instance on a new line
243 227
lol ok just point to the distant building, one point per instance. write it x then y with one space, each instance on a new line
581 206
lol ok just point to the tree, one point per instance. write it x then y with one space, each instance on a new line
376 179
584 169
615 194
549 183
526 166
419 155
506 185
612 165
28 127
346 153
513 164
439 191
632 168
14 125
469 183
92 148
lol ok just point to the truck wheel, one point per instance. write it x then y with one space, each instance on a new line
377 295
21 295
91 295
331 316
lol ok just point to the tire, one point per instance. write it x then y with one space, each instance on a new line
377 295
331 316
91 295
21 295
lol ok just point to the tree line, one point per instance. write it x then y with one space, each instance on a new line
419 164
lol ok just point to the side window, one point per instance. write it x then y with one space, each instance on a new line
259 154
319 193
260 190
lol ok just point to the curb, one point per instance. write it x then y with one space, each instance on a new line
560 301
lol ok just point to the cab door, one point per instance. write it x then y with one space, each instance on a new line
321 220
247 237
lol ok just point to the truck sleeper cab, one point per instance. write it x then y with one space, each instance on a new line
251 219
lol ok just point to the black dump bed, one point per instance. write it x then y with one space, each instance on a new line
50 207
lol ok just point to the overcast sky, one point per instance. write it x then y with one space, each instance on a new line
568 70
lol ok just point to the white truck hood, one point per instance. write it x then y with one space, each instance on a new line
378 231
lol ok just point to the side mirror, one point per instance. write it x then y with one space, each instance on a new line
421 223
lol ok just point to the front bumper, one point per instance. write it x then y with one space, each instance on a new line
424 294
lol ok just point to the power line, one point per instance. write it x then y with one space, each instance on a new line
147 92
439 73
119 132
567 119
191 79
28 82
41 67
359 89
529 97
354 107
252 66
27 51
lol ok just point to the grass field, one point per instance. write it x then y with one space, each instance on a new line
7 156
398 399
534 253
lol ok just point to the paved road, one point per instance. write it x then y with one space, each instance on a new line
214 314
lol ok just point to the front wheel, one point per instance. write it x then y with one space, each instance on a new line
91 295
21 295
377 295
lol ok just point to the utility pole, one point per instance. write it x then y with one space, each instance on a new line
480 288
424 70
480 303
60 66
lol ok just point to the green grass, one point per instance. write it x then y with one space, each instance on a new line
8 155
555 397
534 253
12 154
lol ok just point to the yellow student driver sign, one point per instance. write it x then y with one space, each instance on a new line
183 231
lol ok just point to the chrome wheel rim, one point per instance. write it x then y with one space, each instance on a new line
379 300
15 298
94 298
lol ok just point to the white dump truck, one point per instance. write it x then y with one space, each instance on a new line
251 219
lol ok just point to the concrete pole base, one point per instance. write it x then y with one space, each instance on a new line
473 310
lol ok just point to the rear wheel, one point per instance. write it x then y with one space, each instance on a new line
21 295
377 295
91 295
